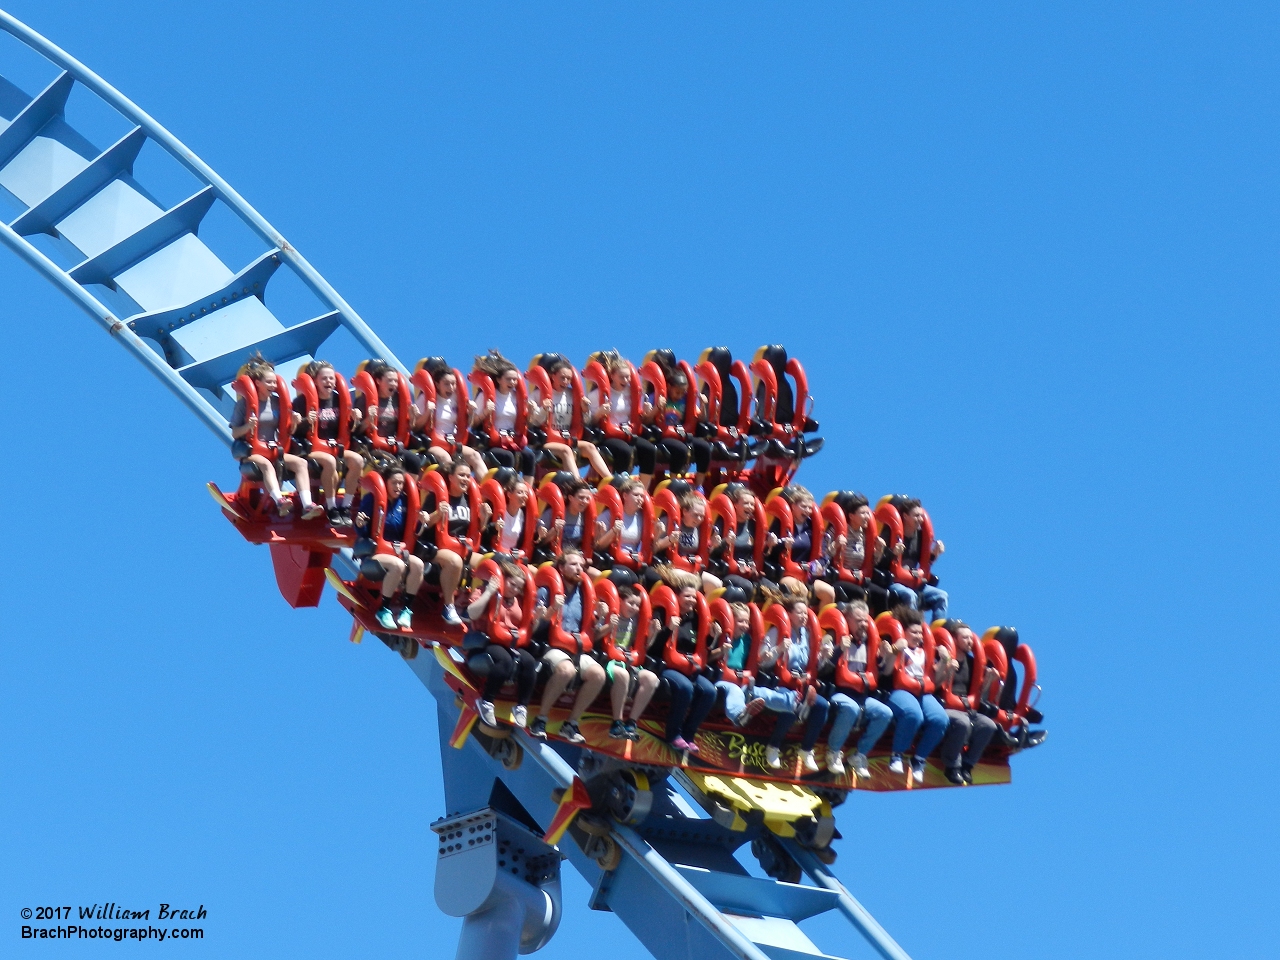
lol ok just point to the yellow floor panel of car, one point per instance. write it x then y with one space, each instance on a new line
781 803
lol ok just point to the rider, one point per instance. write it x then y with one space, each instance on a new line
691 697
509 659
853 702
926 595
625 633
564 669
455 517
968 732
395 564
325 420
504 410
440 419
913 710
557 410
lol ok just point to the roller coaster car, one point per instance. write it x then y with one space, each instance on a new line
782 405
425 383
891 520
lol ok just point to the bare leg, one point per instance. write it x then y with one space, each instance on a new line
328 475
564 453
592 684
301 477
646 686
351 479
450 574
618 697
592 454
824 592
269 481
710 584
395 572
557 683
414 580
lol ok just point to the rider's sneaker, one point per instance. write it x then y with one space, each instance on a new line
835 763
337 517
519 716
539 728
773 758
569 731
617 730
386 619
450 615
486 713
917 769
810 764
312 512
633 732
895 763
859 763
405 620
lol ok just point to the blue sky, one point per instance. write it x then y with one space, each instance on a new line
1028 256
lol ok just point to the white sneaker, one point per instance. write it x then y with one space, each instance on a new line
810 764
835 763
519 716
451 616
772 758
486 714
917 770
859 763
895 764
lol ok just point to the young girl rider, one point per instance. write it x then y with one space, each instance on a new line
673 415
616 411
454 516
628 636
733 652
395 565
628 528
325 421
557 410
683 539
508 659
441 418
504 411
267 422
692 697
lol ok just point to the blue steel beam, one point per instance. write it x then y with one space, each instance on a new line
115 160
46 105
115 260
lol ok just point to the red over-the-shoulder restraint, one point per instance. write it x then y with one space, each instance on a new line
663 598
433 483
306 388
574 644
